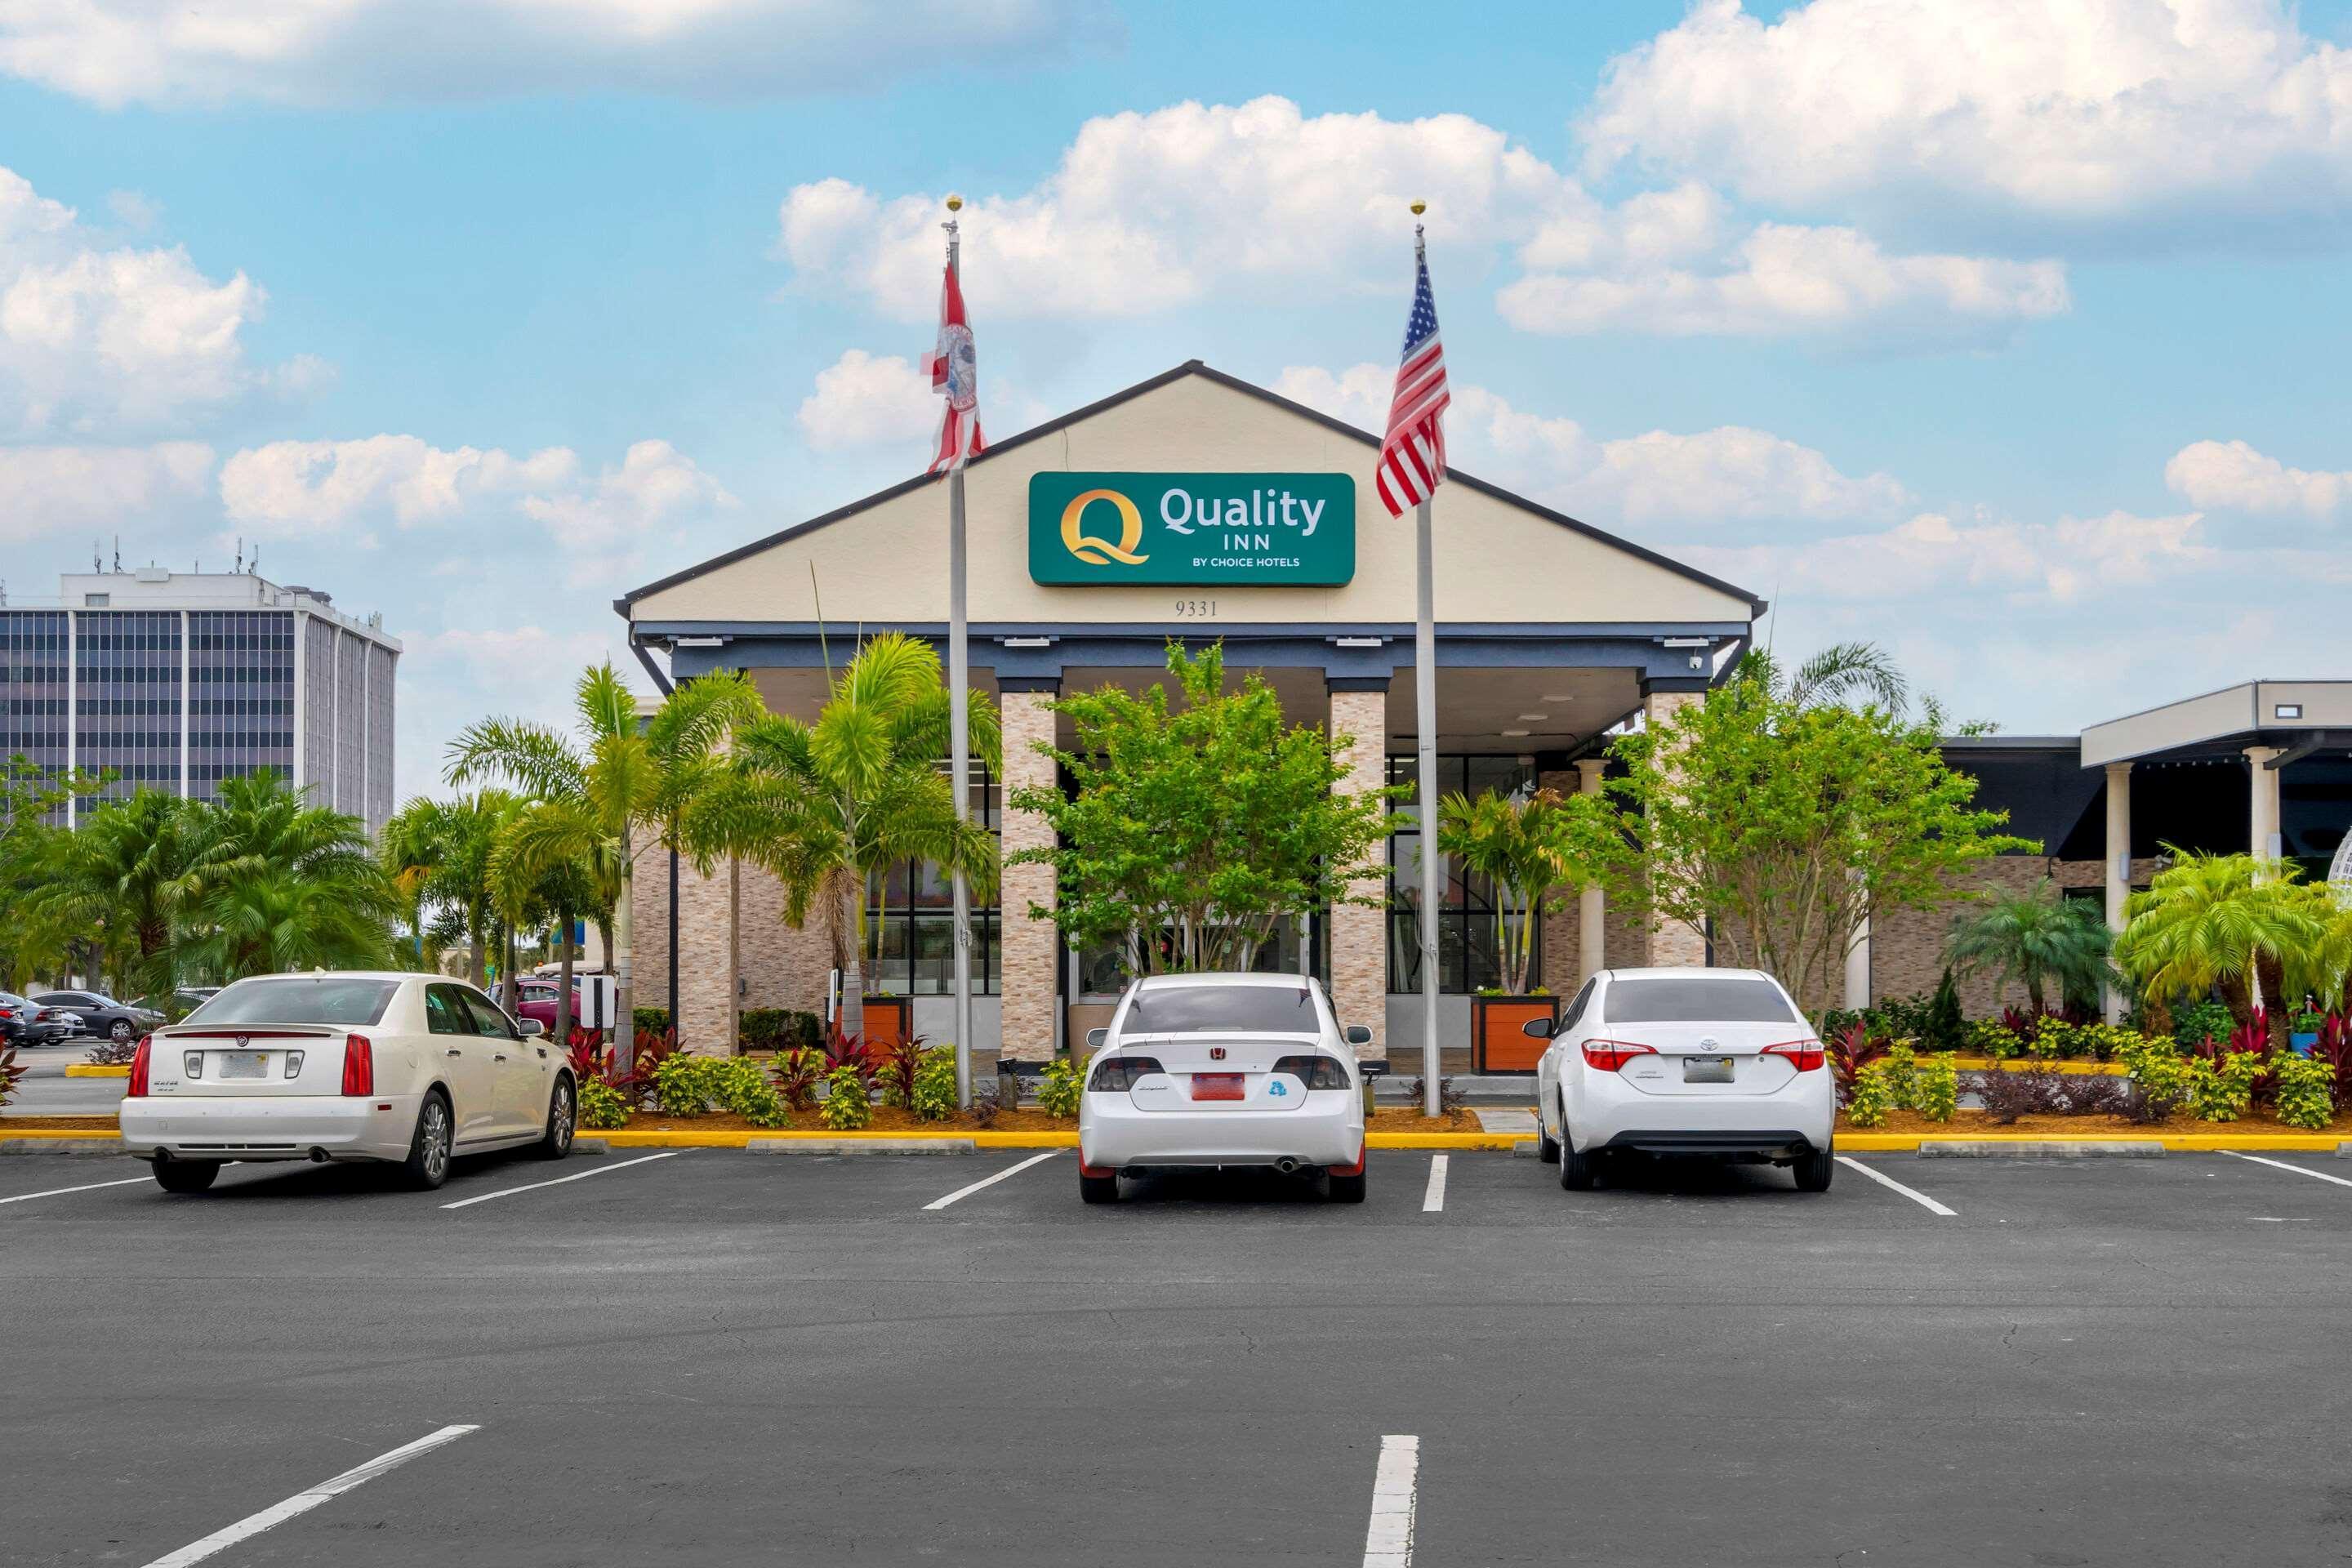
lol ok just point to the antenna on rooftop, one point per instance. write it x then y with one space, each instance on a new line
240 552
118 553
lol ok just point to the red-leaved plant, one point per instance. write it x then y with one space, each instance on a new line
9 1073
796 1071
850 1051
2334 1049
898 1062
1851 1049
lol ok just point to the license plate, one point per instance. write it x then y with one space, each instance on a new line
243 1064
1706 1069
1217 1086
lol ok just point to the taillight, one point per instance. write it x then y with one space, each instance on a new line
1805 1055
1117 1075
137 1085
1611 1055
1315 1072
359 1065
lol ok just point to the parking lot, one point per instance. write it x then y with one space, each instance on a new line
711 1357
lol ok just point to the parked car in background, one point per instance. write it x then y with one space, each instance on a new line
1713 1062
1204 1071
539 999
119 1021
24 1022
16 1018
403 1069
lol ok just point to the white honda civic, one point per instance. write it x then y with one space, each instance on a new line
1714 1062
403 1069
1213 1070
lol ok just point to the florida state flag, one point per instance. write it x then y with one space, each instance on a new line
955 375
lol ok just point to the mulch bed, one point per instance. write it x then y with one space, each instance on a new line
1969 1123
1398 1119
58 1124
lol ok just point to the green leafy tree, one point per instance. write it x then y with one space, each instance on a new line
287 885
2040 940
1196 827
31 839
616 791
2210 922
129 879
1526 845
1773 819
830 805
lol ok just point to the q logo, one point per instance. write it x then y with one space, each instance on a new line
1102 551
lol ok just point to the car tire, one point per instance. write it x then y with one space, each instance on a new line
427 1165
562 1121
1098 1189
1546 1146
1576 1165
185 1175
1814 1170
1344 1189
119 1031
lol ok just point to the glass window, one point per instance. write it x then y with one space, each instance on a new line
488 1018
291 1000
1701 999
1467 960
1576 1008
910 918
1189 1009
445 1011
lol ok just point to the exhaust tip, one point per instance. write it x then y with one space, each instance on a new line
1286 1166
317 1156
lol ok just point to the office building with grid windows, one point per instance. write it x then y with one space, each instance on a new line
177 680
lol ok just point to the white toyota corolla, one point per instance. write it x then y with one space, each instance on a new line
1211 1070
1684 1061
406 1069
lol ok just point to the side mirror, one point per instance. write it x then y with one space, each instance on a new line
1095 1038
532 1028
1537 1028
1357 1034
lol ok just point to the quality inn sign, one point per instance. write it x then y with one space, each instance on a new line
1273 529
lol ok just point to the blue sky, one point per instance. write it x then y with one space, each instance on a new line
2012 335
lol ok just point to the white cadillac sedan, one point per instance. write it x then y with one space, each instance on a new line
403 1068
1716 1062
1206 1071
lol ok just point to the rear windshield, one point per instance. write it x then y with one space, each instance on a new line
299 1000
1725 999
1186 1009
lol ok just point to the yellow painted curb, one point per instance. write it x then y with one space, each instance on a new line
626 1138
1502 1141
2173 1142
92 1069
9 1134
1986 1063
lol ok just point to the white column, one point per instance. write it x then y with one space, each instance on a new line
301 713
73 709
185 660
1591 902
1857 965
2264 829
2118 871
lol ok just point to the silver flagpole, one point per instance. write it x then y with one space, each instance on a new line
959 727
1424 696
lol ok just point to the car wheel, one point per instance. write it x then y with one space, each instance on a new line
1098 1189
185 1175
1344 1189
119 1031
562 1121
1546 1146
427 1165
1576 1165
1813 1172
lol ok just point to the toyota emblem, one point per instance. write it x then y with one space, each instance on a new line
1707 1045
1217 1053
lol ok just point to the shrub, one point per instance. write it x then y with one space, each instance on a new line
1901 1067
2011 1092
852 1052
1988 1038
1942 1030
933 1096
9 1073
804 1030
2305 1091
654 1020
1449 1099
739 1085
111 1053
763 1028
1874 1097
2159 1079
1850 1050
897 1065
1057 1092
2334 1049
797 1070
987 1105
2192 1027
603 1107
846 1109
682 1084
2221 1087
1936 1088
1902 1017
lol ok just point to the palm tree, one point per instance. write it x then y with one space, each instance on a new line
2036 939
1523 846
131 876
275 920
830 805
615 792
2220 919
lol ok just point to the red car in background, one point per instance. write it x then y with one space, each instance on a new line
539 999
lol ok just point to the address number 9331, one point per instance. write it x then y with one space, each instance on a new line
1196 607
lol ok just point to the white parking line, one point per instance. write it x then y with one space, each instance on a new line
303 1502
962 1193
600 1170
88 1187
1433 1200
1922 1199
2282 1165
1388 1540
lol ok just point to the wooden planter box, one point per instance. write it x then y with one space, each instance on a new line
1496 1042
888 1020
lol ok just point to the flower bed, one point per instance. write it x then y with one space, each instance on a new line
1976 1123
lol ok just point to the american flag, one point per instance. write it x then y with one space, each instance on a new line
1412 454
954 370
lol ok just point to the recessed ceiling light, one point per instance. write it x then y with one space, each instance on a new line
1513 734
1563 698
1535 718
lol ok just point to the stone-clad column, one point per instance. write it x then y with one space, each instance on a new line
709 954
2263 828
2118 871
1672 944
1591 903
1360 934
1030 949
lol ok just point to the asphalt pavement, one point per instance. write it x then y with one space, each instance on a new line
714 1358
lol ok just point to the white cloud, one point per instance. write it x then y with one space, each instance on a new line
48 491
93 337
1731 474
864 400
332 52
647 505
2083 111
464 671
1148 212
1934 555
2232 476
295 488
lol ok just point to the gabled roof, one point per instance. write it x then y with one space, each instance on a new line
1190 367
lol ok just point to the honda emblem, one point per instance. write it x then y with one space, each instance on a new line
1217 1053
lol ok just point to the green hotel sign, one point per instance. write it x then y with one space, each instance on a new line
1271 529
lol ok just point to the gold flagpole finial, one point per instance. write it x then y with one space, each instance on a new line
1418 207
955 204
